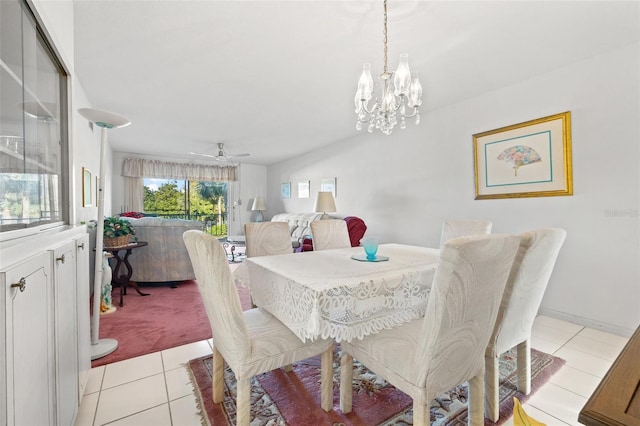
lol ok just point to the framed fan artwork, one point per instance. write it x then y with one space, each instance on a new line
530 159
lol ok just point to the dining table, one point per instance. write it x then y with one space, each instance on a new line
329 294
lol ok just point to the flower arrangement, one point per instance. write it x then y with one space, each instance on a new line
115 227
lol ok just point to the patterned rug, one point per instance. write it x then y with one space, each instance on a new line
281 398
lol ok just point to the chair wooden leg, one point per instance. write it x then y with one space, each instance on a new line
346 382
491 388
476 400
421 414
326 379
243 402
218 376
524 367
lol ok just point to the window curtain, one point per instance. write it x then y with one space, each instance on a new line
141 168
135 170
133 194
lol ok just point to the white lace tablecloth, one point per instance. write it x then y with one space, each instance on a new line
328 294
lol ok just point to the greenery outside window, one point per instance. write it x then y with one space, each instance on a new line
205 201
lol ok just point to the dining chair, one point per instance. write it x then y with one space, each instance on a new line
458 228
251 342
523 293
330 234
446 347
267 238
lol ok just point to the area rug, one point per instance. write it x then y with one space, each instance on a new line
293 398
172 315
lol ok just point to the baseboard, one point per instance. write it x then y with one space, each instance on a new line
587 322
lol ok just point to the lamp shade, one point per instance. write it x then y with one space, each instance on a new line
258 204
325 202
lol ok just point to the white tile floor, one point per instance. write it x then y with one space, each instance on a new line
155 389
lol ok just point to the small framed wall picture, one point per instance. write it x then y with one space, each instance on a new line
303 189
328 185
87 185
285 190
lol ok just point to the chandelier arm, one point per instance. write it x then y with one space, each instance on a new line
413 114
374 107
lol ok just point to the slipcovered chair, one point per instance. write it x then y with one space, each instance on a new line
263 239
520 303
267 238
433 354
355 226
459 228
253 341
330 234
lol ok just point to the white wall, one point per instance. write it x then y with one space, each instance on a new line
241 194
405 184
252 184
84 145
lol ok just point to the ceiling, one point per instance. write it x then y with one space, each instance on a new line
277 78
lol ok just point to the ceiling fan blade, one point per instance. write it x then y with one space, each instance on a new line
206 155
244 154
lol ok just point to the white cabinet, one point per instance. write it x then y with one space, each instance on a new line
83 298
28 343
65 331
44 335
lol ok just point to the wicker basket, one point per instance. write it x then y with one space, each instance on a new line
117 241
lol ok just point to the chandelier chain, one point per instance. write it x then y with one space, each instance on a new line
384 40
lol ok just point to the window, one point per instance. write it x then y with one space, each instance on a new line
205 201
33 117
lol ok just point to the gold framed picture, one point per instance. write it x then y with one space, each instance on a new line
530 159
87 184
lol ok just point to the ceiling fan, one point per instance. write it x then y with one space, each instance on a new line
222 155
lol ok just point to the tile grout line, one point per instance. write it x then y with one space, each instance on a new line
166 388
95 411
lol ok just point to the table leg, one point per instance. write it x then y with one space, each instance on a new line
117 278
130 273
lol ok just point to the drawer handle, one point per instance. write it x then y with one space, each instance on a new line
81 246
61 258
21 284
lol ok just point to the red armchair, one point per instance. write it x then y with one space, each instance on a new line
356 228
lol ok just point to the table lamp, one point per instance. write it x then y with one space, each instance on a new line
105 120
325 203
258 206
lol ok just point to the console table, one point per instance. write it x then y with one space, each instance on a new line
123 280
616 400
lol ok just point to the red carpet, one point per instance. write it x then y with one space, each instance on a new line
293 398
167 318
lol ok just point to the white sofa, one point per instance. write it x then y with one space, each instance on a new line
299 225
166 257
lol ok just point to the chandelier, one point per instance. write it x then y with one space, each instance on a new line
403 99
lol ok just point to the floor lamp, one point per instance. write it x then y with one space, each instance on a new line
105 120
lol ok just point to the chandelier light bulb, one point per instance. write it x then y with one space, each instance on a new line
402 76
403 99
365 84
415 93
